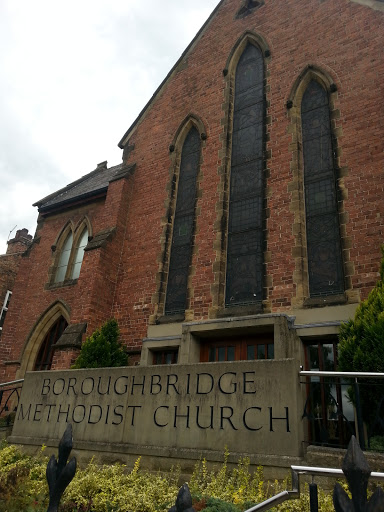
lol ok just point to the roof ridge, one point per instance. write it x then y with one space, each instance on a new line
74 184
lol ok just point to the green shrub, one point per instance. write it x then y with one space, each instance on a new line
361 348
111 488
102 349
22 481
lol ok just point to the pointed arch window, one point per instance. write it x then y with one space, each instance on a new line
325 268
244 277
45 355
182 240
79 253
64 259
70 256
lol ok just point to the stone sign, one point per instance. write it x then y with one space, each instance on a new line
247 406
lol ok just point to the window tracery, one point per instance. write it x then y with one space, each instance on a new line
182 239
70 255
244 276
325 269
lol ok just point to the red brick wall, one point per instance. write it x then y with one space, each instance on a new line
9 262
89 300
9 265
345 40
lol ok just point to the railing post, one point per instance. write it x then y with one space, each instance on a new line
360 424
313 498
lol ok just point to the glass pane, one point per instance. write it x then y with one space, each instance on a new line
329 358
44 358
79 255
260 351
230 353
176 294
246 237
221 354
348 409
159 357
270 351
251 352
169 358
76 270
322 222
63 260
60 274
211 357
313 355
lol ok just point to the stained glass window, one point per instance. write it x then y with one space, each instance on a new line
322 222
182 240
244 280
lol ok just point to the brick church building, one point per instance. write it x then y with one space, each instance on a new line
246 218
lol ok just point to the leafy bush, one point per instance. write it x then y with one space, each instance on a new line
361 348
102 349
22 481
114 489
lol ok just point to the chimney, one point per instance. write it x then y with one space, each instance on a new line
20 243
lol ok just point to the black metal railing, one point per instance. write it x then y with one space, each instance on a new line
339 405
9 400
357 472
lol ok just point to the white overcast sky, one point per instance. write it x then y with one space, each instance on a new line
74 75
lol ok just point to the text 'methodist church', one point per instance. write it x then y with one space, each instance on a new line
243 224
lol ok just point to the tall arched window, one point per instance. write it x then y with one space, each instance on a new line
244 278
70 255
182 239
325 268
45 355
79 247
65 253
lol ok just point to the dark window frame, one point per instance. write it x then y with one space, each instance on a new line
163 354
45 355
77 235
320 415
245 272
324 250
184 222
240 345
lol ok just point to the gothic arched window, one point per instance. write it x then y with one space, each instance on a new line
182 239
70 254
65 253
325 268
244 278
45 355
79 247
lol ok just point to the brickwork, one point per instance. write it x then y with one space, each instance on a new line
342 39
64 359
88 298
126 276
10 262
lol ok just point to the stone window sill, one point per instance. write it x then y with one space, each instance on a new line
250 309
327 300
169 319
67 282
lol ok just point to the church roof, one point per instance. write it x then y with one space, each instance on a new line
93 184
